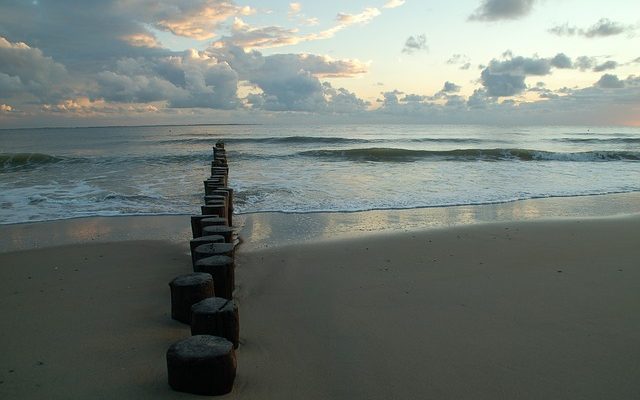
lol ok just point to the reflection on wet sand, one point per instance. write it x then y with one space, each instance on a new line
269 229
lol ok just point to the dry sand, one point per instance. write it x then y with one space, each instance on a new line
518 310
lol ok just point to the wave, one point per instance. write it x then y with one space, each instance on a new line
16 161
272 140
599 141
406 155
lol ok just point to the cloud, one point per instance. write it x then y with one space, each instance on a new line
393 3
507 77
603 28
265 37
607 65
294 9
85 107
141 39
561 61
415 43
345 19
494 10
583 63
460 59
290 82
502 84
5 108
450 87
608 81
198 19
193 79
24 69
244 35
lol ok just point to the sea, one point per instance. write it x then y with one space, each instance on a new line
61 173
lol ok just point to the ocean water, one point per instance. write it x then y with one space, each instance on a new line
48 174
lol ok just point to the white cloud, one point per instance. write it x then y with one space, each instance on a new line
393 3
244 35
24 69
294 9
290 82
193 79
199 19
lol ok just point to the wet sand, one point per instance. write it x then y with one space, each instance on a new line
530 310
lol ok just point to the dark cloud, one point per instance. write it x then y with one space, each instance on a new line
494 10
502 84
609 81
603 28
605 66
563 30
414 98
479 99
583 63
502 78
415 43
561 61
460 59
450 87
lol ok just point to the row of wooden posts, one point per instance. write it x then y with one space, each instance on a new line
205 363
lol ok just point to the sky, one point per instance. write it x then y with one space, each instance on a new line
132 62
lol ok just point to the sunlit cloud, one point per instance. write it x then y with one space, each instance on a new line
198 20
393 3
294 9
142 40
242 34
84 107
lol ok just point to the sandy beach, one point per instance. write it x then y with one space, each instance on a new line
538 309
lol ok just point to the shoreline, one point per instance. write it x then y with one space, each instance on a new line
290 228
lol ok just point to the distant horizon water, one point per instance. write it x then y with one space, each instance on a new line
59 173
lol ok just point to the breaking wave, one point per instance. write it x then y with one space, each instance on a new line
406 155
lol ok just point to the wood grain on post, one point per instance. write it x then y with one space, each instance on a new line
186 290
218 317
202 364
222 270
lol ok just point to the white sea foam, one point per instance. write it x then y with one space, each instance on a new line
64 173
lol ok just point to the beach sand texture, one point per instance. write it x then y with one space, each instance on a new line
526 310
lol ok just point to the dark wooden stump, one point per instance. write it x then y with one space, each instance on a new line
218 317
213 221
217 208
226 192
213 249
196 229
225 231
203 240
222 269
203 364
186 290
